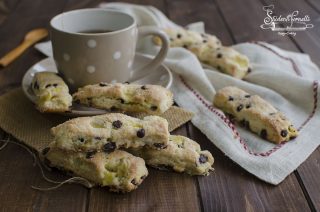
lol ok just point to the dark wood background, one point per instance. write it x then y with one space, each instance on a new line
228 188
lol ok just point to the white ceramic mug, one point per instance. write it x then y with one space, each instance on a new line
98 45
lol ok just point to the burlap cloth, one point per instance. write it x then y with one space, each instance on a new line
19 118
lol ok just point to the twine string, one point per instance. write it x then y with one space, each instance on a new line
39 163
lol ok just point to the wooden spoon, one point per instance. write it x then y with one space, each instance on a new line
31 37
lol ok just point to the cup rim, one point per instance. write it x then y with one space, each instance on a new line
93 34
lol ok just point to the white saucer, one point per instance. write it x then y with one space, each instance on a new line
162 76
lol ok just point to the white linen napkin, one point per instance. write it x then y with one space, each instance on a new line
286 79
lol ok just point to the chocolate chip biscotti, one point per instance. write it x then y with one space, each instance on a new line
181 154
118 170
151 99
180 37
52 92
225 59
256 114
209 50
109 132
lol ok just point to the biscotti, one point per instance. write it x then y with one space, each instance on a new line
52 92
209 50
109 132
225 59
256 114
181 154
151 99
118 170
180 37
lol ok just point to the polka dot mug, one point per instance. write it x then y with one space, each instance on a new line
98 45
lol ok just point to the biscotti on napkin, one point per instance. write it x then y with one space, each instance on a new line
256 114
111 131
120 171
150 99
209 50
181 154
52 92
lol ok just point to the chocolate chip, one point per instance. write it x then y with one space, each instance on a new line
179 35
180 146
248 106
45 150
185 46
203 158
81 140
249 70
109 147
245 123
247 96
143 87
49 85
102 84
240 107
90 154
55 85
219 55
117 124
284 133
154 108
204 41
230 98
134 182
77 101
113 108
127 82
121 101
271 114
36 85
263 133
97 138
140 133
160 146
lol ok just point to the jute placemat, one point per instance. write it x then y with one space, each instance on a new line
19 118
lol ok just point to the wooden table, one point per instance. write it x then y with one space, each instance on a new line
228 188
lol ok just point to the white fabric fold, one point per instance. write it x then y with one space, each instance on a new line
286 79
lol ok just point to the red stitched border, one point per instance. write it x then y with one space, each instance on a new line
233 128
294 65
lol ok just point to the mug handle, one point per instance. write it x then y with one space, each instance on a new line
151 30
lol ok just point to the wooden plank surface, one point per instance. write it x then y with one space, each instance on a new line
18 175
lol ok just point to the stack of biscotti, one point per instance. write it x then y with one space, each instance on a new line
209 50
97 148
89 147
